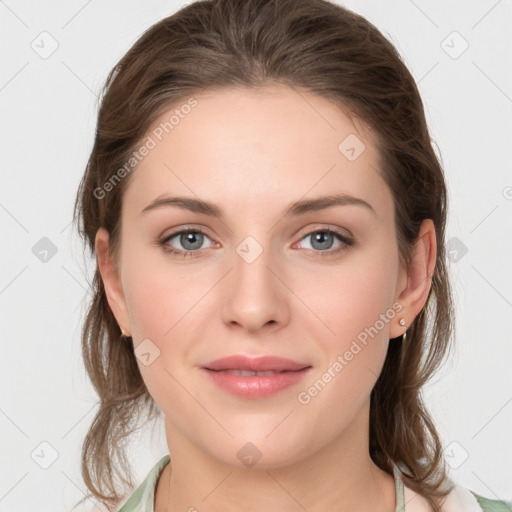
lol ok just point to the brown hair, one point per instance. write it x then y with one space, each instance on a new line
321 48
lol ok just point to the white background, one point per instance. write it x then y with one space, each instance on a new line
49 109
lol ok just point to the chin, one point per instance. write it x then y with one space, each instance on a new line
260 453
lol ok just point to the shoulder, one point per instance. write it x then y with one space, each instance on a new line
142 498
464 500
493 505
459 499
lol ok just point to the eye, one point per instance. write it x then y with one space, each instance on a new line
191 239
322 241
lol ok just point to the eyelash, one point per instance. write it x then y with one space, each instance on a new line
348 242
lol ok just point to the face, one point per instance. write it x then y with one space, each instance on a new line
319 286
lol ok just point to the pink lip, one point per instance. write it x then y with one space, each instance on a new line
288 372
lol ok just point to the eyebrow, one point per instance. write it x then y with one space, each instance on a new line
295 209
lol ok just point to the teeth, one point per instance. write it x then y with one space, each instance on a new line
248 373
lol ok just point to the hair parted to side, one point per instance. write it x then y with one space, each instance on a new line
324 49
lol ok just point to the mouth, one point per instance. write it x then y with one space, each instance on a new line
255 377
249 373
240 362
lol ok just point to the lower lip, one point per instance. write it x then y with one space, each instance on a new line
256 386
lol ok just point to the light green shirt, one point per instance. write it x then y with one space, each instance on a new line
142 499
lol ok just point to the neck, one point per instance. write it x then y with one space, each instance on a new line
341 476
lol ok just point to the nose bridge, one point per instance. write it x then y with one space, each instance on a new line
254 292
251 273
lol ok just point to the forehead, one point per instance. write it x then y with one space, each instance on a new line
256 148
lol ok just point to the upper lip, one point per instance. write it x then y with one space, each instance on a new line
255 364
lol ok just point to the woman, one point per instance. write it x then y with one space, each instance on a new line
268 217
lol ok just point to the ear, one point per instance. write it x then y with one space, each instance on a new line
111 280
418 277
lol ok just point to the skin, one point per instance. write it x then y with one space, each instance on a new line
253 152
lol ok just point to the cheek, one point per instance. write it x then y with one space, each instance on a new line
355 301
158 316
161 298
353 296
358 309
150 304
164 308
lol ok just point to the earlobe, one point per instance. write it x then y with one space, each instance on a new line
419 275
111 280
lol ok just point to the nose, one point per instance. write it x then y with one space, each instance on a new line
255 295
